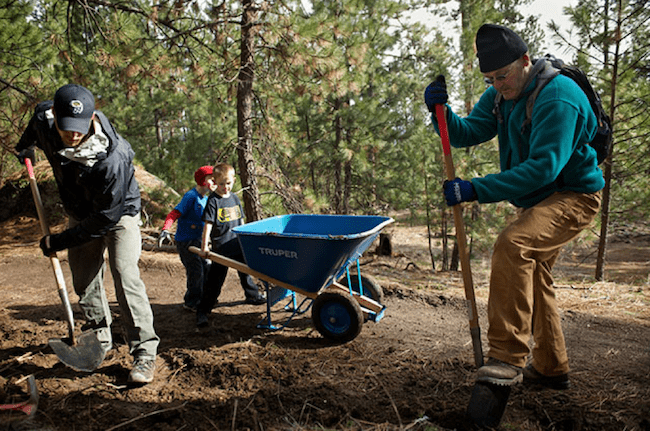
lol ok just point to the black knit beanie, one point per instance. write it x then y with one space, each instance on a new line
497 47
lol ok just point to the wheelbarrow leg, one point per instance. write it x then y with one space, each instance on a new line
293 304
347 273
266 323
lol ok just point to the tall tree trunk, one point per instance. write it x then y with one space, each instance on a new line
455 256
156 122
338 136
347 189
312 167
372 158
314 183
245 159
604 209
428 212
467 44
444 258
347 170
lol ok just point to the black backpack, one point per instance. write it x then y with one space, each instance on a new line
554 66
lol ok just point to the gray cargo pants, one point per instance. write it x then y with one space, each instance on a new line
87 265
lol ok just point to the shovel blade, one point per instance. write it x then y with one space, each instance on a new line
487 405
85 355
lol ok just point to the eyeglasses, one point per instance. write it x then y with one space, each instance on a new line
500 78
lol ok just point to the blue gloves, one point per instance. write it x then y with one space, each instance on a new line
436 93
457 191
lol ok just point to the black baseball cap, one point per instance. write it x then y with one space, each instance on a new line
74 106
497 47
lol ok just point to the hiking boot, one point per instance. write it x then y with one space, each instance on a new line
142 371
201 319
499 373
534 377
256 300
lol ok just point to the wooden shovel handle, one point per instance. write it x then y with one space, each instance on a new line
475 329
56 265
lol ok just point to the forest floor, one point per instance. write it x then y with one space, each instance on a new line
412 370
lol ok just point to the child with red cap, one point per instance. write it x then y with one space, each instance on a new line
188 233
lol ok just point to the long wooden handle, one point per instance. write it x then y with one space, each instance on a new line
474 327
56 265
364 301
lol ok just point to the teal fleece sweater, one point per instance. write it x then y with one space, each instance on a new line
552 149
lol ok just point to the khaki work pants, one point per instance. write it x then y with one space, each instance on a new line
522 300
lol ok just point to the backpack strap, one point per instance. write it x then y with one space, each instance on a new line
497 107
544 74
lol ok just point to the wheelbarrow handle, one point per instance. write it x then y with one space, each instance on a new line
475 329
56 265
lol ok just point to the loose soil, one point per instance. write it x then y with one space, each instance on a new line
412 370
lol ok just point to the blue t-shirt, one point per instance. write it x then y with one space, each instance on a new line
190 224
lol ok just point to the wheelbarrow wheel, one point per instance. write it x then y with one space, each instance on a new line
337 316
371 288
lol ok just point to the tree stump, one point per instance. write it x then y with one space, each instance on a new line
385 247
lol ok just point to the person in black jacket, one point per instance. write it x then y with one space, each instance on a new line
94 172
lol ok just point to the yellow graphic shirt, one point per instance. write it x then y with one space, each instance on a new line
224 214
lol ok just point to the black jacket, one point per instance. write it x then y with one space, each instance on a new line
97 196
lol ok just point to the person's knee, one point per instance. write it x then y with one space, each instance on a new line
508 240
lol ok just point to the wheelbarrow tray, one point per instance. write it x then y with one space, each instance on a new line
308 251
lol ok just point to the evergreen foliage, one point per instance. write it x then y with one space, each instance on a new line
339 124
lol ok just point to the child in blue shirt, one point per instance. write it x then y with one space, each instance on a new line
188 233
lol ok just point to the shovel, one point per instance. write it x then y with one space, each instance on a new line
488 402
474 327
83 353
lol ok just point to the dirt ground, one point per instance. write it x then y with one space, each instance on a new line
412 370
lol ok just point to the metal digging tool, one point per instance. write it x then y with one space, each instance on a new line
82 353
488 402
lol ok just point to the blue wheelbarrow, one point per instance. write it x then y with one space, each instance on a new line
311 254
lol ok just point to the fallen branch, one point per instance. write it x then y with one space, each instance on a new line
157 412
234 415
412 264
20 359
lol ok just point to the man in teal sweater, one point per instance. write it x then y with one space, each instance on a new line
551 175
